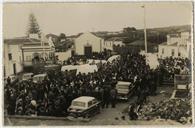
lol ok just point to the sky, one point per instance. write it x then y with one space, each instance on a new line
73 18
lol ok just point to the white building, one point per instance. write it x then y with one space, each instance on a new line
177 45
18 52
13 56
37 48
87 43
109 43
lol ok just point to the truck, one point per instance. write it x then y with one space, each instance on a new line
124 89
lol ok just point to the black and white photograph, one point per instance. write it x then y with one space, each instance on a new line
97 63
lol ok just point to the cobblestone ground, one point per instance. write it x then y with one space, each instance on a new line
108 116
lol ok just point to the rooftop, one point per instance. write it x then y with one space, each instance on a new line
21 40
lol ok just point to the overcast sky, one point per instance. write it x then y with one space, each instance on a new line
72 18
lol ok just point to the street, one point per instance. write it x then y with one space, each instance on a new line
108 116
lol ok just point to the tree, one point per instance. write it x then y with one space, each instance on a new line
62 36
33 25
129 29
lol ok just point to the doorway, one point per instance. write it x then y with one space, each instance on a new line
88 51
14 68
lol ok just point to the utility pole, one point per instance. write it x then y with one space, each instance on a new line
145 35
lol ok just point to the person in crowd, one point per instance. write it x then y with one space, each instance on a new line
55 95
113 97
8 80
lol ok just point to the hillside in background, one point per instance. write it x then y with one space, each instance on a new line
171 29
128 34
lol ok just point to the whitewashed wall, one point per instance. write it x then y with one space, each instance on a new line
88 39
63 55
16 58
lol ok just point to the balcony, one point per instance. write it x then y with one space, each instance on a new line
27 63
30 63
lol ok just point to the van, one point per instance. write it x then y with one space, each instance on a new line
39 78
27 76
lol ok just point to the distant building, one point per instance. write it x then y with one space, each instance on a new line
87 43
113 41
177 45
20 52
12 56
37 49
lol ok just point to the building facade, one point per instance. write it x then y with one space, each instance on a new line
87 43
113 41
20 52
177 45
12 57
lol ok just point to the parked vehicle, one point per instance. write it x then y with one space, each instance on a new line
84 106
39 78
182 84
124 89
13 79
27 76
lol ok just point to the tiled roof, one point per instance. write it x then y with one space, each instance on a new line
21 40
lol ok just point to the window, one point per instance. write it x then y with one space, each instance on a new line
163 51
28 58
79 104
90 103
172 52
10 56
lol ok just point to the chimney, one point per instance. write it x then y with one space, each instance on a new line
34 36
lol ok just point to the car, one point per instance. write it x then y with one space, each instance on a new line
39 78
27 76
84 106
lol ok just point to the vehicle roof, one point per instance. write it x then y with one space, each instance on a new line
30 73
39 75
123 82
52 65
84 99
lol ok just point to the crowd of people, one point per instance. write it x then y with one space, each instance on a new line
53 96
170 66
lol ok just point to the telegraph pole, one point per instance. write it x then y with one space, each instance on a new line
145 35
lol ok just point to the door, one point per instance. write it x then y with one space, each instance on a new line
88 51
14 68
